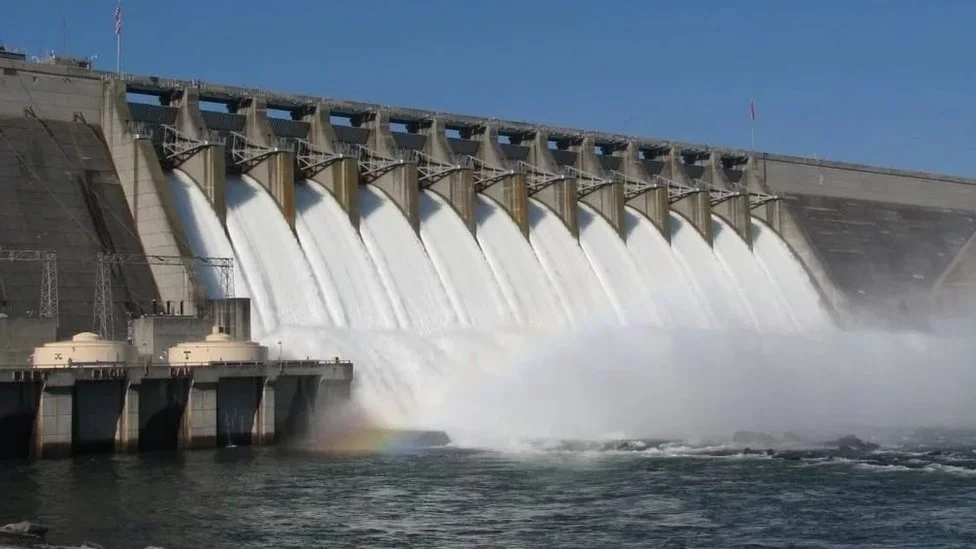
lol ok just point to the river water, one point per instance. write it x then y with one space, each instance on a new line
635 495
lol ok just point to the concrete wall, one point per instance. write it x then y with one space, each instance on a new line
59 191
399 182
148 196
560 197
19 337
341 178
154 335
608 201
57 93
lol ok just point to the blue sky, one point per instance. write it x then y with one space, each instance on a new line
887 82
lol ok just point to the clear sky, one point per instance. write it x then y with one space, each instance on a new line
887 82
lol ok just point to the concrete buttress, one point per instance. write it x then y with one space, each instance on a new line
509 191
650 199
560 196
207 165
148 197
733 209
695 206
397 178
608 200
275 171
457 187
341 176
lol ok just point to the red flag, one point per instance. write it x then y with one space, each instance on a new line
118 18
752 109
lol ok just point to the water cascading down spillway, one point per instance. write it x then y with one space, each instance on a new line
429 313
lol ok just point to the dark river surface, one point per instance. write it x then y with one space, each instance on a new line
557 497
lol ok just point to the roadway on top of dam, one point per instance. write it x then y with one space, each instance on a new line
300 103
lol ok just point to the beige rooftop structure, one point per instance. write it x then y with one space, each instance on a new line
86 348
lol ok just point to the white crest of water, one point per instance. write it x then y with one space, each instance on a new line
728 307
763 299
338 256
454 252
518 272
279 276
403 264
567 267
787 273
668 285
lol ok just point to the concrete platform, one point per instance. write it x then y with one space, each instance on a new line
105 407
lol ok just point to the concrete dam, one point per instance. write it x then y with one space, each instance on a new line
422 244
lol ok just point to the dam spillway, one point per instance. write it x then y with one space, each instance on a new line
362 232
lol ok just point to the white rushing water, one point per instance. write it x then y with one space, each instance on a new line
667 282
788 274
617 272
519 274
567 268
403 265
282 284
432 320
768 308
454 252
337 254
203 233
728 307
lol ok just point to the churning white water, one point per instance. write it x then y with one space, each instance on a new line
337 254
567 268
520 276
702 267
761 296
281 281
692 383
667 282
403 265
454 252
788 274
617 272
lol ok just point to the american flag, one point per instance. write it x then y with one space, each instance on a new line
118 19
752 109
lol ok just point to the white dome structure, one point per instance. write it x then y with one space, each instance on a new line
216 347
83 349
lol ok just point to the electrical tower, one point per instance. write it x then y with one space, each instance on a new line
104 313
49 277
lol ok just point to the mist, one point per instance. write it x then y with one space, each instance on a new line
700 384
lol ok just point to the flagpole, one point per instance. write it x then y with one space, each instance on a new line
118 37
752 124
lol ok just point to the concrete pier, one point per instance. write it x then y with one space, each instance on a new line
455 185
205 160
559 195
732 208
607 200
387 170
260 158
108 408
694 206
508 190
340 176
645 194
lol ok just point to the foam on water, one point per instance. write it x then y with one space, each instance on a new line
617 272
467 278
666 280
700 265
788 274
337 254
403 265
520 276
762 297
281 280
567 268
